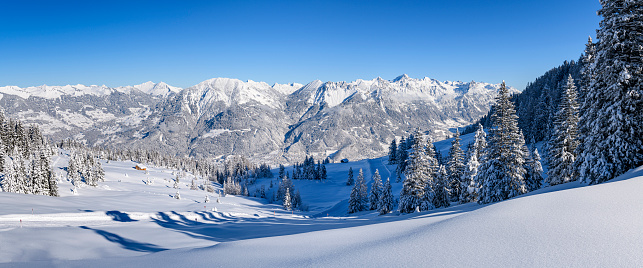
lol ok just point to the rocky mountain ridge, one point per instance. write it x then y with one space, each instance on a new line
281 123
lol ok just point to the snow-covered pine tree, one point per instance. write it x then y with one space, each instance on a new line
354 200
20 171
72 169
535 178
386 198
455 168
418 174
3 152
392 152
193 185
359 195
501 174
426 203
402 161
176 183
470 177
177 195
45 174
376 190
585 107
469 183
207 199
363 190
614 99
10 183
562 147
480 142
441 199
350 180
287 203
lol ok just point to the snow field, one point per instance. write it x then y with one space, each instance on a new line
127 222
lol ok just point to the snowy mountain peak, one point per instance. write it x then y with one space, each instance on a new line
402 89
233 91
401 77
157 89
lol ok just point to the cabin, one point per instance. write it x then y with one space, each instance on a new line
345 160
140 167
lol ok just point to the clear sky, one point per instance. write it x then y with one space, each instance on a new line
182 43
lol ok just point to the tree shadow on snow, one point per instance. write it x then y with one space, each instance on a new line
126 243
119 216
220 227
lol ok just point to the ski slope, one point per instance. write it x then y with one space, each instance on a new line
127 222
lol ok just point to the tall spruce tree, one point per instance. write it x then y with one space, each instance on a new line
386 198
535 178
455 168
613 141
562 147
287 202
502 172
376 190
469 183
358 200
392 152
350 180
441 199
587 76
419 172
363 190
480 142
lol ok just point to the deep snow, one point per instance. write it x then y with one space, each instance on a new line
125 222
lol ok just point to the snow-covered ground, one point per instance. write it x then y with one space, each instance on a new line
127 222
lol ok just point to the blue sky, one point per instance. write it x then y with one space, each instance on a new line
185 42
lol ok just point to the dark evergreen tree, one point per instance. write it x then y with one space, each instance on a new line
282 171
324 174
350 180
392 152
386 198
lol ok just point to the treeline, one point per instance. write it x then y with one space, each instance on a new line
200 167
307 170
25 159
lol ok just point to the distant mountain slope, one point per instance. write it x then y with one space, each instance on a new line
278 123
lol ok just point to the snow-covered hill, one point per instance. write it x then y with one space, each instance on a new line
281 123
133 220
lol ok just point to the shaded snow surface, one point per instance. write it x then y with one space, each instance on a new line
131 224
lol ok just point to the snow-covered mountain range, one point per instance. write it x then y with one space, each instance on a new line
273 123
